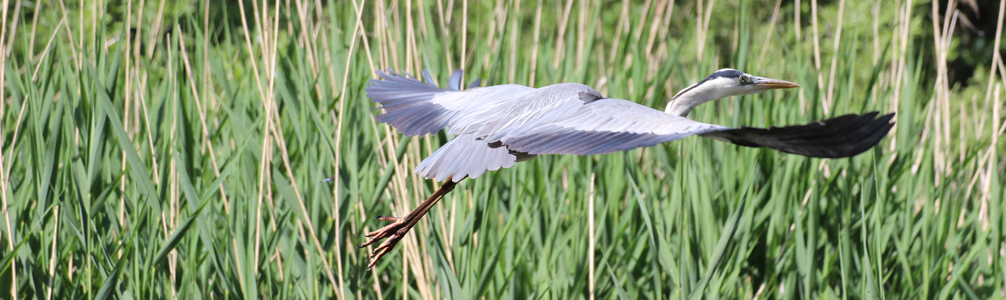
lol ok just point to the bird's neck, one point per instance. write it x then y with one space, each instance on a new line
683 103
681 106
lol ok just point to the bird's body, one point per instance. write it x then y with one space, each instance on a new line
512 122
497 126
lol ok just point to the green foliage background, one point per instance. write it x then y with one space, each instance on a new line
162 149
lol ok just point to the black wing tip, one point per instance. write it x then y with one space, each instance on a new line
839 137
874 129
882 126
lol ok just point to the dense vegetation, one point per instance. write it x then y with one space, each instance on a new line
161 149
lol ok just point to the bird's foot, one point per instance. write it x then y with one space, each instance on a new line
393 233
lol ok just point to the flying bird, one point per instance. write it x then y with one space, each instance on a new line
497 126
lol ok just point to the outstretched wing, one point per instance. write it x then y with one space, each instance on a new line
500 125
604 126
837 137
610 125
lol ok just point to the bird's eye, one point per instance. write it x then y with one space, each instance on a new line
746 79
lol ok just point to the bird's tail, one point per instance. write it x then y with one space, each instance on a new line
837 137
408 103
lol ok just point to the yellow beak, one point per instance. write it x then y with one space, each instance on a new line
769 84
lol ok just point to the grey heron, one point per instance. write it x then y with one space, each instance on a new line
497 126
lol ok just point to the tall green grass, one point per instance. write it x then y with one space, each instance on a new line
161 151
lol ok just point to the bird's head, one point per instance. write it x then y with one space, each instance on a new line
721 84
